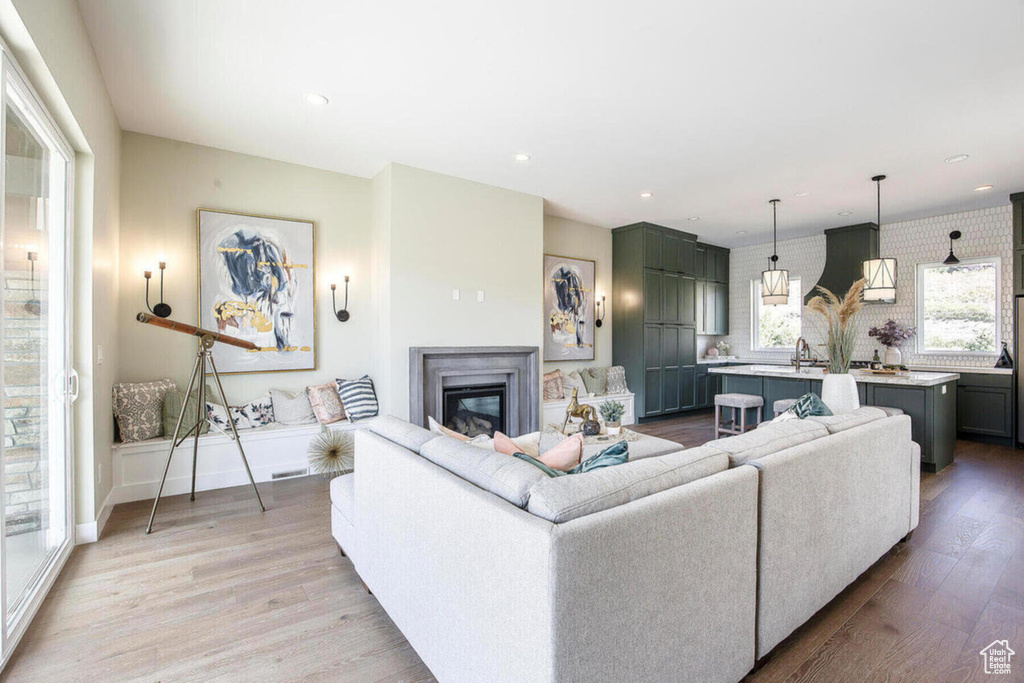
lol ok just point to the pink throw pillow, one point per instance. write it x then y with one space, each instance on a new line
504 444
565 455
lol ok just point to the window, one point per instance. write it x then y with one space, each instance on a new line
776 328
958 307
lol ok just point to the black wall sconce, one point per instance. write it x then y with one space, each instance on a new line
952 260
343 314
602 309
161 310
33 305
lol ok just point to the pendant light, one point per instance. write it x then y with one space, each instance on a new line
774 283
880 273
952 260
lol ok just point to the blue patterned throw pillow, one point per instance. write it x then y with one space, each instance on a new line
810 405
358 397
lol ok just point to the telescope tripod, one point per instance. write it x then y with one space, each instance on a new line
204 364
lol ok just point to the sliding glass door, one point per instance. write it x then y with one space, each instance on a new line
35 373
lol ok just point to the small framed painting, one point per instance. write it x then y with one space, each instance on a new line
568 308
257 283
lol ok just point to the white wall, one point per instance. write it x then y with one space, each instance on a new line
163 182
445 233
49 40
986 232
584 241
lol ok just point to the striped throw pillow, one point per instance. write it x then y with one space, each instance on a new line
358 397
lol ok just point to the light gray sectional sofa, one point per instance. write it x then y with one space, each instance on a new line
685 566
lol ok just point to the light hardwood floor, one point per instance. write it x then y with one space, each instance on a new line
220 592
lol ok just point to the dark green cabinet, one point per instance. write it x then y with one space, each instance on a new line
669 360
709 385
712 304
669 298
985 406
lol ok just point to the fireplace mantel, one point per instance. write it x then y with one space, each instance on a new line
432 368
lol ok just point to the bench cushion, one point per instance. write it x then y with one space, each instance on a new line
561 499
854 418
504 476
405 434
768 438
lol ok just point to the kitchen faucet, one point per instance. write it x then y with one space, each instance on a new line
801 348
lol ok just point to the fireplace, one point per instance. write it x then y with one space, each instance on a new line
475 410
472 386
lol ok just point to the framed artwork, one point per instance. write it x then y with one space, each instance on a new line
257 282
568 308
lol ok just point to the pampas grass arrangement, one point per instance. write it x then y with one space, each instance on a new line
839 315
332 452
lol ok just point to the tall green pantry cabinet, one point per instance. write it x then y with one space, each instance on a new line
654 328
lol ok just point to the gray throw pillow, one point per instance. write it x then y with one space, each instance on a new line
172 407
617 380
138 409
596 380
292 409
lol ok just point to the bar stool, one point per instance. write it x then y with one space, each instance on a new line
782 405
739 402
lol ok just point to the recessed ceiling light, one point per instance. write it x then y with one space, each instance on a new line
801 193
646 195
317 99
522 158
741 232
956 158
845 212
983 188
693 218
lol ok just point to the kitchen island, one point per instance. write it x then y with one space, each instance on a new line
929 398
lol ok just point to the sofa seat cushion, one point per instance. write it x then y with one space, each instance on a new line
405 434
561 499
855 418
343 490
500 474
768 438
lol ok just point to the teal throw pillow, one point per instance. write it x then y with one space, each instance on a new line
613 455
550 471
810 405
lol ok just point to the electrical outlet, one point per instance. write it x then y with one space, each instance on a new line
455 295
480 295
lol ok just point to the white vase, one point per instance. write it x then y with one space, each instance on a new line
839 393
893 356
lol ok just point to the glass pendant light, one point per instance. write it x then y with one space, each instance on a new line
880 273
774 282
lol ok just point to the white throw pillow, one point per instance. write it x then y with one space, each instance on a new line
292 409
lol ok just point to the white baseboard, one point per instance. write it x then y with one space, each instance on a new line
90 532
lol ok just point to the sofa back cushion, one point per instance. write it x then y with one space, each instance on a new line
561 499
405 434
503 475
855 418
768 438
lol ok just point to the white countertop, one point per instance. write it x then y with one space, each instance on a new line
716 360
963 368
913 378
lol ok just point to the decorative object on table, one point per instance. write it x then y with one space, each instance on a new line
616 380
576 409
712 352
326 403
612 412
138 409
1005 360
723 347
892 336
879 273
839 388
359 397
292 408
591 428
343 314
332 452
876 362
161 310
774 282
256 278
204 367
952 260
568 290
602 309
552 382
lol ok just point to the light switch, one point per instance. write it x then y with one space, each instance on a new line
480 295
943 388
455 295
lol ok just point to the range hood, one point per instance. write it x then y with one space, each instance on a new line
846 249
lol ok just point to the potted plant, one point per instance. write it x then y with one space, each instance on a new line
839 389
612 412
892 336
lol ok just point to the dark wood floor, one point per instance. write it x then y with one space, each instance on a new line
222 593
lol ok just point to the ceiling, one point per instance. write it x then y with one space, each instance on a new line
714 107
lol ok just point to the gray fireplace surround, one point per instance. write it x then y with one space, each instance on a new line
432 369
